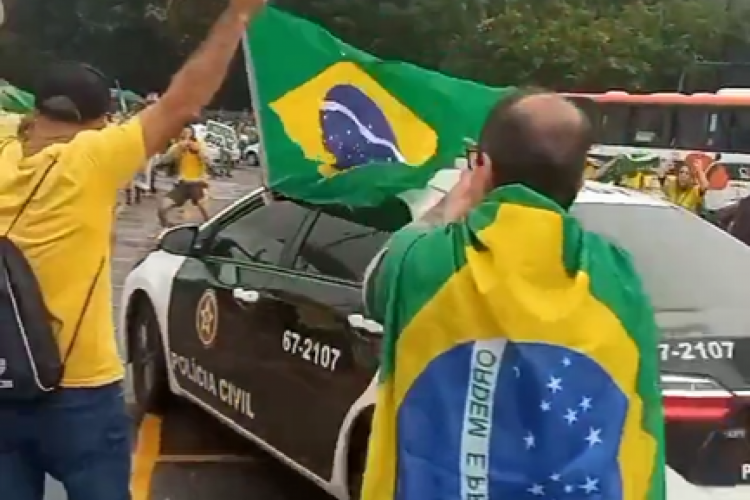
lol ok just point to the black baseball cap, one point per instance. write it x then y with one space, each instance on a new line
72 92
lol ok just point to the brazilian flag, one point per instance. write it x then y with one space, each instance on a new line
339 125
520 362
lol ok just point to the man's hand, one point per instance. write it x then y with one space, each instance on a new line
462 198
193 147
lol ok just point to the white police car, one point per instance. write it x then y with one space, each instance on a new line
255 316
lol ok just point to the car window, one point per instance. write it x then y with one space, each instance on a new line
685 263
339 248
259 236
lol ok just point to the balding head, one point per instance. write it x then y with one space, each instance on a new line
538 139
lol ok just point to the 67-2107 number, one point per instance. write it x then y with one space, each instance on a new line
310 350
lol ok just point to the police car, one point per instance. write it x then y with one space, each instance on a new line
256 317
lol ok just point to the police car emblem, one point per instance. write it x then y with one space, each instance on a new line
207 318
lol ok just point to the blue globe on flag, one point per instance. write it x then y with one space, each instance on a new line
355 129
523 421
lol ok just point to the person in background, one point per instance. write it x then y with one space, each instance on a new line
519 350
190 155
685 189
80 433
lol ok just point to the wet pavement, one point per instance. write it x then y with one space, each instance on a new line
175 462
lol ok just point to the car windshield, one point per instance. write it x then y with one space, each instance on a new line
686 263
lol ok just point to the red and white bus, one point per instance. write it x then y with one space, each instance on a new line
711 130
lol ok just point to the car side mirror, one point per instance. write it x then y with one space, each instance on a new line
179 240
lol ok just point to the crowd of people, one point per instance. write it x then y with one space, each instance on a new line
684 185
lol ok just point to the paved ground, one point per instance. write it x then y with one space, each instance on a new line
215 463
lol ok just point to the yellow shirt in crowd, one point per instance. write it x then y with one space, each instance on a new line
634 181
65 233
190 165
689 199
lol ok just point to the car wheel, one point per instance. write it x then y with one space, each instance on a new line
252 159
150 383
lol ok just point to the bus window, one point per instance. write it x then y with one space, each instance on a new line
650 126
738 131
692 128
614 123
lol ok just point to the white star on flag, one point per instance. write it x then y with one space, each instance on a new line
537 490
593 437
530 441
585 404
571 416
555 384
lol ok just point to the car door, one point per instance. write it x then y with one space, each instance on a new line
218 328
331 351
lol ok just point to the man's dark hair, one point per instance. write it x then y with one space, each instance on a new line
547 159
72 92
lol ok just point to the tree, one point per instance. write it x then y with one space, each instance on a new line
567 44
589 45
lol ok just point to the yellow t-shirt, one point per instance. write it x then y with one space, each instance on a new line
634 181
191 165
65 233
590 171
689 199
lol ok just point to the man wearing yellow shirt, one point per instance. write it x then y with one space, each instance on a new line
687 188
190 156
80 433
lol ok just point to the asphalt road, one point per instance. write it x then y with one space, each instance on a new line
215 463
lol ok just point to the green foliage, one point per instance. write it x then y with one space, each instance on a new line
576 45
566 44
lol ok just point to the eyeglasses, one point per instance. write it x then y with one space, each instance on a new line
472 156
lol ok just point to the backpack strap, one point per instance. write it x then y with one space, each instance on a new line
86 304
30 197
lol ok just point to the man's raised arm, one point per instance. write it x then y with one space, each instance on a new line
119 152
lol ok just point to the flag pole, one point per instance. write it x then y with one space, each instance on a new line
255 102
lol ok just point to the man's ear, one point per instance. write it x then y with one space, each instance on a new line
483 172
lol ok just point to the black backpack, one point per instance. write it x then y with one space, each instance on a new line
30 361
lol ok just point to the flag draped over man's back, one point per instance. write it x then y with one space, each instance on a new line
520 362
339 125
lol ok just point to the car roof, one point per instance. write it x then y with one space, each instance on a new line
420 201
592 192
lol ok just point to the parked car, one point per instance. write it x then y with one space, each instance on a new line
256 317
251 153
